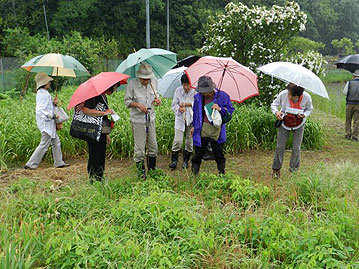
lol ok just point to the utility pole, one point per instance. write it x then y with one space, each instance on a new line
47 28
168 24
148 38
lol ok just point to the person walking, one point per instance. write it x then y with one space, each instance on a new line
351 91
141 98
294 98
98 107
203 130
182 107
45 119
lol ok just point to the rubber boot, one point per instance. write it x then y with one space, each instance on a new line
141 170
195 169
175 154
221 168
186 157
151 163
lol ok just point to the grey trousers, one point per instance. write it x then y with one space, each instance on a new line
42 148
139 135
282 138
352 113
178 140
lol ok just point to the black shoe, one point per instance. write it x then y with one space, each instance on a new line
195 169
348 137
151 163
175 154
186 157
221 168
63 165
276 173
141 170
29 168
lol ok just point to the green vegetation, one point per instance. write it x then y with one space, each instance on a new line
308 220
251 127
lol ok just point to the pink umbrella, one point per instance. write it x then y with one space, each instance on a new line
96 86
229 76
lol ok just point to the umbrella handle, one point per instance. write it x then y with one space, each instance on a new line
154 92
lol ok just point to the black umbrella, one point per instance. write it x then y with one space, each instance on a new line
350 63
187 61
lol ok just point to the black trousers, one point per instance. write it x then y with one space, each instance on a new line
216 148
97 157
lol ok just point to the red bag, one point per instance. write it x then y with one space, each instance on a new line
291 120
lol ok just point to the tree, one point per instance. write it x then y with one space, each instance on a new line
255 36
343 46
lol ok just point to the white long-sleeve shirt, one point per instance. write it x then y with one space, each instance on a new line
282 101
45 112
183 119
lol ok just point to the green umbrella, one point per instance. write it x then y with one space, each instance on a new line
161 61
55 64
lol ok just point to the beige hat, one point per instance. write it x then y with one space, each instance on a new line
356 73
42 79
145 71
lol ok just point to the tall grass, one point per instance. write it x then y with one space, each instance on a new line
251 127
306 221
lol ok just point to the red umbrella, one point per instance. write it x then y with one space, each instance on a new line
96 86
229 76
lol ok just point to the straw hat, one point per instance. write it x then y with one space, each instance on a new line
42 79
205 84
145 71
356 73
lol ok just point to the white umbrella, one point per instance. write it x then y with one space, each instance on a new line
296 74
170 82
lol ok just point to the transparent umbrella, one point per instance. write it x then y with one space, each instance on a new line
296 74
170 82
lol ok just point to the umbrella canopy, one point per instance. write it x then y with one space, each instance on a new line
96 86
350 63
161 61
296 74
188 61
230 76
170 82
55 64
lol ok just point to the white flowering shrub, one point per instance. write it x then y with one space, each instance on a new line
312 60
254 37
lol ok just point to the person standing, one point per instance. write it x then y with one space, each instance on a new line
294 97
45 119
98 107
351 91
182 107
141 97
203 131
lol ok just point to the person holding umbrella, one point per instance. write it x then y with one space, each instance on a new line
351 91
295 107
203 131
98 107
45 119
182 107
141 97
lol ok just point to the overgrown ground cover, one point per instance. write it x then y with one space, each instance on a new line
309 219
251 128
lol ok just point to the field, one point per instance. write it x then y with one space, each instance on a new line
54 218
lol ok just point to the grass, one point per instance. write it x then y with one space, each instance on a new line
250 128
308 220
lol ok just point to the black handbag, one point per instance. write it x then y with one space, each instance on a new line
86 127
226 118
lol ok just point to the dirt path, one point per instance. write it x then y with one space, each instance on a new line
255 164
